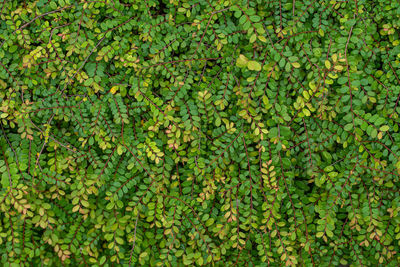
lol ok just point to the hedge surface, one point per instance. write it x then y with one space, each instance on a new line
200 133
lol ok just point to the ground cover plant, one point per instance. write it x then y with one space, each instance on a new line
199 133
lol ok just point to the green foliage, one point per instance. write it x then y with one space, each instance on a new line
215 133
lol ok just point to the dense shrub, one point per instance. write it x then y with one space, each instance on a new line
182 132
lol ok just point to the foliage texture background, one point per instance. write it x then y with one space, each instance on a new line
217 133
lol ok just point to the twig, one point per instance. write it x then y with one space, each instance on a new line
134 240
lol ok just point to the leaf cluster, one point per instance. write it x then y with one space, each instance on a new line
199 133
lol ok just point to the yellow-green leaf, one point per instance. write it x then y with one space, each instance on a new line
384 128
113 90
327 64
262 39
296 65
253 38
241 61
306 112
254 65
